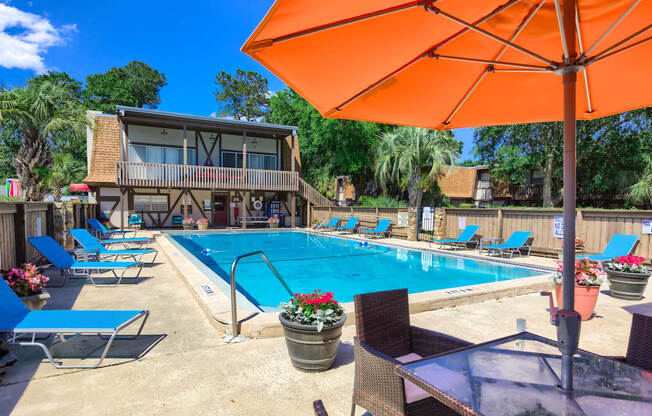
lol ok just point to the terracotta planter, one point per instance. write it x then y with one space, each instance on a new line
188 226
272 224
36 302
585 299
202 226
310 350
625 285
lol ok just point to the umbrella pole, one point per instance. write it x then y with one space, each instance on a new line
568 331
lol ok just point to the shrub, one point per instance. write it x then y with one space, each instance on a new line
314 308
202 221
188 220
467 205
587 273
627 264
382 201
25 280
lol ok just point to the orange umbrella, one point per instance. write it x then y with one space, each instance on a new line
450 64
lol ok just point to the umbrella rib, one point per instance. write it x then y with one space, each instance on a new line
489 67
346 21
564 44
491 62
580 46
624 48
615 45
492 36
418 58
609 30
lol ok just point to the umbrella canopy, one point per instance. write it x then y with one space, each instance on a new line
429 63
450 64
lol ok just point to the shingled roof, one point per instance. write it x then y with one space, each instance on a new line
105 152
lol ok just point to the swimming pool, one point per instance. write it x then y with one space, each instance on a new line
342 266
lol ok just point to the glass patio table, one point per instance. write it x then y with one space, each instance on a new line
519 376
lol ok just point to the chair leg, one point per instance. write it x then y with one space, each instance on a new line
352 409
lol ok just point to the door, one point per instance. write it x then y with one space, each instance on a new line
220 211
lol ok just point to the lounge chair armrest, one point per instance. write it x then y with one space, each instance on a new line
377 387
426 342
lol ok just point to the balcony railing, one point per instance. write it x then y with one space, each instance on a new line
158 175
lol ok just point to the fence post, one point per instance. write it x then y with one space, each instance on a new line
580 220
49 220
377 218
19 234
500 223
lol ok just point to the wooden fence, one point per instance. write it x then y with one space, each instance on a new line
595 227
369 217
22 220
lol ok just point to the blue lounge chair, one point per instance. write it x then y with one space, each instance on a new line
330 225
380 231
460 242
103 232
86 240
619 245
514 244
21 323
349 227
64 261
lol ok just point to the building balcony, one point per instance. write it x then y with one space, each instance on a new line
158 175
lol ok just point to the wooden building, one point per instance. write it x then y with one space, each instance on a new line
164 166
470 185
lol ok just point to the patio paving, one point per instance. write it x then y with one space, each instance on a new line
185 368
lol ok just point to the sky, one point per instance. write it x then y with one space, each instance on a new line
190 42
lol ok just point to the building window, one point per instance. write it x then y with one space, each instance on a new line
254 161
151 203
168 155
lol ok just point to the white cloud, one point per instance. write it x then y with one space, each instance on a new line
25 37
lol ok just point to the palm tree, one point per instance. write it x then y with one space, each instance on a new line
65 170
40 113
641 192
405 153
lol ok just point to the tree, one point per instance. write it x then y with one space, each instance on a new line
329 147
36 116
242 96
414 158
610 153
64 171
136 84
72 85
641 192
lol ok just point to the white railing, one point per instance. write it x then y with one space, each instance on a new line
158 175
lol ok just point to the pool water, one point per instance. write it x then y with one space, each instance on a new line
345 267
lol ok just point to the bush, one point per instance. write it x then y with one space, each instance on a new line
467 205
382 201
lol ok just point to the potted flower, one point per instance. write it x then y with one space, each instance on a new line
188 223
28 284
272 222
588 278
202 224
312 324
580 246
627 276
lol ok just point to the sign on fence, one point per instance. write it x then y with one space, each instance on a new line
13 188
647 227
558 227
461 223
427 219
402 219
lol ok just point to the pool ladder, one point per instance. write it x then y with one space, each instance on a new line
235 331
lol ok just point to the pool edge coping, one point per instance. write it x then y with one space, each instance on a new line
217 305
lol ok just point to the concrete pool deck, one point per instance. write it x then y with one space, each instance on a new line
185 368
211 293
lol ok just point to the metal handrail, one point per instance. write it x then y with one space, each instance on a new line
234 310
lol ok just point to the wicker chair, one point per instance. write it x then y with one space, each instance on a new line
640 343
383 335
